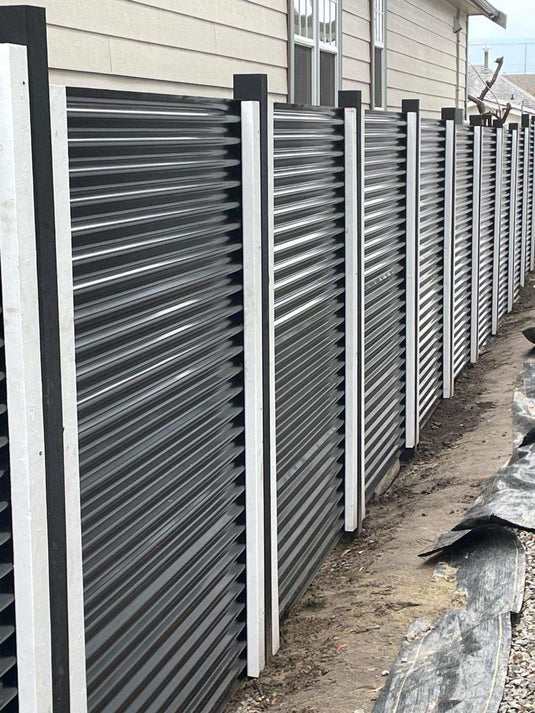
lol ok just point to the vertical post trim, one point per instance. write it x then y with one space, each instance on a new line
275 623
497 230
352 416
75 586
252 304
24 386
412 283
449 192
474 308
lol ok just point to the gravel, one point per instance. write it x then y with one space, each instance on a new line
519 693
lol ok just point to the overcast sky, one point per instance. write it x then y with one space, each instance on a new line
512 43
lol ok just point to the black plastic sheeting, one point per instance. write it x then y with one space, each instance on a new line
459 661
453 664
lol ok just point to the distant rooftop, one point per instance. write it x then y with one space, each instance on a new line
502 92
524 81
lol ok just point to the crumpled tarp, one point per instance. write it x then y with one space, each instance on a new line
490 568
456 663
459 661
440 661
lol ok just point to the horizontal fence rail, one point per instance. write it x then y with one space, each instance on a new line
259 308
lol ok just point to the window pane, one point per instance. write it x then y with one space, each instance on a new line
327 21
303 16
327 78
303 75
378 88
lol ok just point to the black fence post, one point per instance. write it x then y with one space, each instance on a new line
24 25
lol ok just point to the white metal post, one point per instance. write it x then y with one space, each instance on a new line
412 275
497 230
24 386
352 415
474 309
512 220
449 224
252 301
275 625
75 587
524 168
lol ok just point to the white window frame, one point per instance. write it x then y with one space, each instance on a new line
316 46
379 12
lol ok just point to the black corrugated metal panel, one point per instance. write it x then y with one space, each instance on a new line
518 212
486 232
504 234
385 175
462 249
155 191
8 661
431 287
529 235
309 339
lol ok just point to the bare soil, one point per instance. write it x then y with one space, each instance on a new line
339 641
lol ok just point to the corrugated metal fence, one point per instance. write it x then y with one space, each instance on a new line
331 268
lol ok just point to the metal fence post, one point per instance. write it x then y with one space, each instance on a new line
497 229
451 117
23 456
411 108
24 25
474 309
512 215
355 495
254 87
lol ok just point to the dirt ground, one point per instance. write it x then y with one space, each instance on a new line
339 641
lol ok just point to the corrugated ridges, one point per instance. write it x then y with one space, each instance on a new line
486 233
462 248
504 225
309 339
8 653
384 240
431 282
155 186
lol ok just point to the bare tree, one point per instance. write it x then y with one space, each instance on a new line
489 113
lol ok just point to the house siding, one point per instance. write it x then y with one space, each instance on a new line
356 47
151 45
422 54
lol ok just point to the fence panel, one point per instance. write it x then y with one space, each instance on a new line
503 286
486 233
385 170
518 214
309 237
431 278
157 251
531 197
462 246
528 196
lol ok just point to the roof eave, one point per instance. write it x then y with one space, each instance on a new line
483 7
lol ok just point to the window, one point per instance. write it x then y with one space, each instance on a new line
315 68
379 54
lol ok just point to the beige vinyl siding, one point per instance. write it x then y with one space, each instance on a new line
421 54
356 47
177 46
